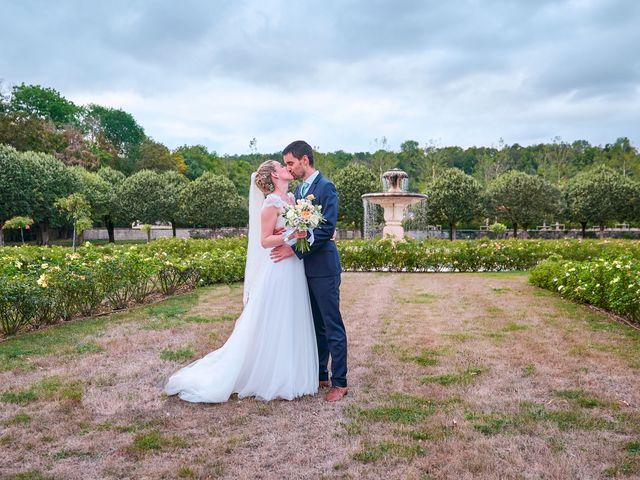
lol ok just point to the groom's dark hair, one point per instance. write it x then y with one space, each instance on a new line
299 149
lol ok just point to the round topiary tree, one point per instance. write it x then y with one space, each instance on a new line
599 196
212 201
454 197
351 183
523 199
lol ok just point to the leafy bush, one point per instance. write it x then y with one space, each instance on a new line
128 277
612 284
16 309
435 255
39 286
498 228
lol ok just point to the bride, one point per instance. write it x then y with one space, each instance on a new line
272 351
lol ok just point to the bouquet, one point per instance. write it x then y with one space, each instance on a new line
303 216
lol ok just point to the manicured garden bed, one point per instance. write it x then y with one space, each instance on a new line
41 286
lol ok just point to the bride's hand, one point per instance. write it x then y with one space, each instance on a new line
299 234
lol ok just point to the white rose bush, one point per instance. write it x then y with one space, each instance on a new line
41 286
611 284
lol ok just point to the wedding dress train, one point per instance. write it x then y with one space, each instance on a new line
272 352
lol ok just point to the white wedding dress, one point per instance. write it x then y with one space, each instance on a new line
272 351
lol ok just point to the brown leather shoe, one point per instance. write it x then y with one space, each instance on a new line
324 384
336 393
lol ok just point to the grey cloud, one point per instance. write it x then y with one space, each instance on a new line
408 53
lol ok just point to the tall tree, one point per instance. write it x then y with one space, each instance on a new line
171 197
27 133
331 162
199 160
412 160
435 161
556 163
54 180
212 201
382 159
600 196
18 183
155 156
454 197
77 150
623 157
44 103
239 172
113 212
141 197
492 163
95 190
523 199
116 126
351 183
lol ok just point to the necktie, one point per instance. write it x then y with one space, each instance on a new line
304 188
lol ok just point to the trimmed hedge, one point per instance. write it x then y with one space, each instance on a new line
612 284
40 286
472 255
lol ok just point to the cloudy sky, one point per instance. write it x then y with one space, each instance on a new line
341 74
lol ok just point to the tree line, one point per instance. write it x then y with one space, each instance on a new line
40 119
599 196
40 187
520 185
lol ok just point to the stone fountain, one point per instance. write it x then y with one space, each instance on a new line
394 200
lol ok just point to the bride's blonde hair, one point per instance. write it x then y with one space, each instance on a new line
263 176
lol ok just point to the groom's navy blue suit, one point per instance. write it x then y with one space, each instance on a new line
322 266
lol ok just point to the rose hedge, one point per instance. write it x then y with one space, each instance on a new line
473 255
612 284
40 286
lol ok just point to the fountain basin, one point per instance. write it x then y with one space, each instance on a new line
394 203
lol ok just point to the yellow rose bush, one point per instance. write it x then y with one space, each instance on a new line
40 286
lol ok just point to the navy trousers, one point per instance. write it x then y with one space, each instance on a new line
330 332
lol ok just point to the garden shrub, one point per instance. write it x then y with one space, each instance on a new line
612 284
17 297
40 286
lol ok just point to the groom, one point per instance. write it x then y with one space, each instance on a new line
322 266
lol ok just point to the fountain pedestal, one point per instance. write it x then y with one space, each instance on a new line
394 202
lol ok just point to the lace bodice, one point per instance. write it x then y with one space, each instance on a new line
274 200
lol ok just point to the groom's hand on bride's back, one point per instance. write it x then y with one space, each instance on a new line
281 252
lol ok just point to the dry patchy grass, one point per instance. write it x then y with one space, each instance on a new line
451 376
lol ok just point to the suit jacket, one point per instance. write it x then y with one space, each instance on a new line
322 260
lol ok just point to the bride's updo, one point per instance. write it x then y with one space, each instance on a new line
263 176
